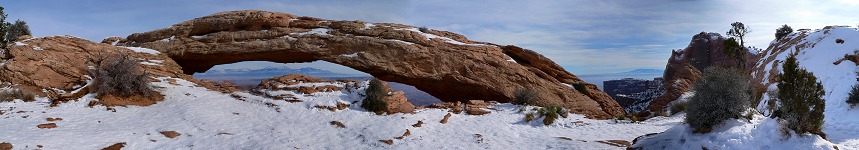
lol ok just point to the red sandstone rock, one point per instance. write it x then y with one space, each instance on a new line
59 64
684 67
451 67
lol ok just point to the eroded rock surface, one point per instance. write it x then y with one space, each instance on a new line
58 65
443 64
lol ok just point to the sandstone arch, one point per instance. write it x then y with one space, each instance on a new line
443 64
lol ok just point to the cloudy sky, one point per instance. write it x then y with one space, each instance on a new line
585 37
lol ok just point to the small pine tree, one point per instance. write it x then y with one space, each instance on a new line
3 26
784 30
733 49
739 30
721 94
801 98
853 97
375 97
19 28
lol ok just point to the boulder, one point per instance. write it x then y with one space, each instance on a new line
443 64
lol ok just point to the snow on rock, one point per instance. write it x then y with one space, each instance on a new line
368 26
209 119
317 31
168 39
351 55
445 39
142 50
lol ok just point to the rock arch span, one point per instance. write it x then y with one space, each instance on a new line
443 64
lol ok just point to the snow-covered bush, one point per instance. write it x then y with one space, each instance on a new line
721 94
375 93
853 97
119 75
784 30
524 97
801 98
10 95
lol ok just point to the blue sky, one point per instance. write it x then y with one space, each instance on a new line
585 37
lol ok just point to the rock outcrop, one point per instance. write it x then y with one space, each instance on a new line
56 66
396 100
443 64
684 66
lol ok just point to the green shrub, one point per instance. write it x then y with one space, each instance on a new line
524 97
19 28
549 114
376 93
10 95
120 75
720 94
678 107
784 30
733 49
853 97
423 29
529 116
621 117
801 98
581 87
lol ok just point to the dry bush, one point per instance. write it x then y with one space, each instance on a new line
11 95
119 75
524 97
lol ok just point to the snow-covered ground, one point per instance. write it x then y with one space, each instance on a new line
212 120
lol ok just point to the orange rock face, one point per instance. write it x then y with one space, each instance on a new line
443 64
59 64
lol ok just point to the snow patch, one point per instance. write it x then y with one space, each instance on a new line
168 39
368 26
317 31
142 50
351 55
445 39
